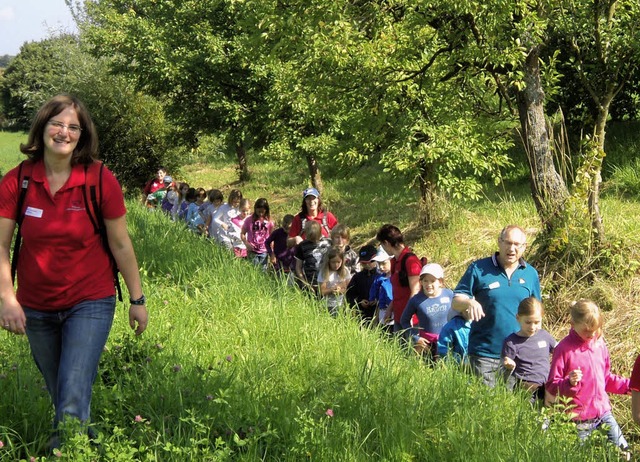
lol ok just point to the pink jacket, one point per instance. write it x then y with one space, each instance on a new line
590 394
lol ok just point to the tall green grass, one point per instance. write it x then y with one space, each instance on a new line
236 365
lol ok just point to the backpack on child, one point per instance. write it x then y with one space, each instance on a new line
93 182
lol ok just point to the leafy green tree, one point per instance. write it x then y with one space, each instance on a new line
31 78
189 54
134 136
5 60
601 41
357 81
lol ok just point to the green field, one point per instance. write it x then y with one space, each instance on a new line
237 366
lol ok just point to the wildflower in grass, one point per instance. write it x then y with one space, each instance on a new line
1 444
159 346
166 302
57 452
229 358
329 412
32 459
138 418
177 368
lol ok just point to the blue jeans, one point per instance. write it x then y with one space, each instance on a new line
259 259
66 346
614 434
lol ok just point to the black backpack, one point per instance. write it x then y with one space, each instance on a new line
402 274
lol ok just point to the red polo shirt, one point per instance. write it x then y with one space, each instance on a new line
296 224
401 294
62 261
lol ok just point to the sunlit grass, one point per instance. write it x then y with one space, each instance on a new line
10 154
237 366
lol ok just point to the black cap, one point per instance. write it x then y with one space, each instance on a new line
367 253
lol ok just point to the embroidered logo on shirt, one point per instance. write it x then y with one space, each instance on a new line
521 281
76 206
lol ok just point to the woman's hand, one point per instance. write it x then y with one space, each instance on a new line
12 317
138 318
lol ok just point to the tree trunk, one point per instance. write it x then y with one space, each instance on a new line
594 193
243 169
314 173
548 189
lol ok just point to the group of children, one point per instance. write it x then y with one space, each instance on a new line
579 368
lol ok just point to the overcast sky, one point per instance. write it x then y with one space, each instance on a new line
31 20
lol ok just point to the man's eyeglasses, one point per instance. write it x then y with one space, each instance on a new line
73 129
517 245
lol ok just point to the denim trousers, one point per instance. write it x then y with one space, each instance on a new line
259 259
66 346
614 434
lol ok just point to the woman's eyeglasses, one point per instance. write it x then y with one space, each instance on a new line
74 130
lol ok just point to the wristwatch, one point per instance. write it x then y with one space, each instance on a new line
140 301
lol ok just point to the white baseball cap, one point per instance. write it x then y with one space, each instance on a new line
433 269
381 255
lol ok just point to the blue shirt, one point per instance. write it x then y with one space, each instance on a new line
381 291
487 282
454 338
431 312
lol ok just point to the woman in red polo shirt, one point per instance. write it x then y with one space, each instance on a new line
405 271
65 300
312 209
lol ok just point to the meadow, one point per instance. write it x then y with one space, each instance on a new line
236 365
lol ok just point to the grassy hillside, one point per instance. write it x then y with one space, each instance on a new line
236 366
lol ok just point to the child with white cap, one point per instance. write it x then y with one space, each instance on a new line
431 306
381 292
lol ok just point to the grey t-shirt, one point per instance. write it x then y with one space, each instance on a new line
531 355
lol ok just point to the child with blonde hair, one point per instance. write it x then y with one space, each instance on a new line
580 370
333 279
526 353
340 237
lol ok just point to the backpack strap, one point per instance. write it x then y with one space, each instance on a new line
23 182
94 185
403 276
325 223
303 221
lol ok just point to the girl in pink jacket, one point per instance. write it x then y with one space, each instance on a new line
580 370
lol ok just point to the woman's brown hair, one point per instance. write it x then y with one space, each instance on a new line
87 148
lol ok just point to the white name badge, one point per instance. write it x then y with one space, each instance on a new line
445 300
542 344
494 285
33 212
